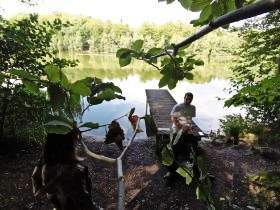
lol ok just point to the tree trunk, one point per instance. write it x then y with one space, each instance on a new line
235 140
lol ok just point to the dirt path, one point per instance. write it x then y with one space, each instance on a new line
231 166
145 187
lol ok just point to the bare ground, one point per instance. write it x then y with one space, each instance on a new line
145 187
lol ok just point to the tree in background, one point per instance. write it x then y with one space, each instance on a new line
25 50
256 72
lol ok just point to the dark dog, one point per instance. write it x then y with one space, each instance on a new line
115 134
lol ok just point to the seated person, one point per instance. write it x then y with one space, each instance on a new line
182 140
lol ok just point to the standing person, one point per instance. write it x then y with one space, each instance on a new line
61 176
181 118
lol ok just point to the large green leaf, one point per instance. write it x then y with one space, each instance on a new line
186 3
198 5
189 76
124 60
205 16
53 73
154 51
93 100
90 125
218 8
123 51
62 117
124 56
163 81
172 83
58 127
64 81
137 45
107 94
167 156
75 99
80 87
96 88
56 95
184 173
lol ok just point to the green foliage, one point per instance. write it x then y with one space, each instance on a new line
66 97
103 92
264 189
187 173
25 50
194 172
41 69
172 68
167 156
209 10
100 36
256 74
58 127
24 117
90 125
233 126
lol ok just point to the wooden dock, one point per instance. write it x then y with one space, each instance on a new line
161 103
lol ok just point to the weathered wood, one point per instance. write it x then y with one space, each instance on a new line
161 103
121 193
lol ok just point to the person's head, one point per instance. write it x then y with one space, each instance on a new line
188 98
61 148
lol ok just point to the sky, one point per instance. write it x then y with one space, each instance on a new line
132 12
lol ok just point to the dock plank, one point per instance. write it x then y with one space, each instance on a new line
161 103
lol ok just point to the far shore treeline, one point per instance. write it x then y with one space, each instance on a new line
85 34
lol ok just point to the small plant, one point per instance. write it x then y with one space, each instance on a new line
264 189
195 174
233 126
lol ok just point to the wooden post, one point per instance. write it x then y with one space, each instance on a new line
121 194
146 108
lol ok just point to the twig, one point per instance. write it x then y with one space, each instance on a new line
85 110
131 140
105 124
96 156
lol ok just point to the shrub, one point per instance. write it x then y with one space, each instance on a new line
233 126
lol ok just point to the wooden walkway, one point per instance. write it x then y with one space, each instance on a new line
161 103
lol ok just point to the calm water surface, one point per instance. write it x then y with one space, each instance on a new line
208 84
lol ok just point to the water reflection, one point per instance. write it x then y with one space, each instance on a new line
134 79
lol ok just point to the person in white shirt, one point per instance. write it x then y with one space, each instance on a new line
181 118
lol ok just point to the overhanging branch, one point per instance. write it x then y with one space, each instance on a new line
243 13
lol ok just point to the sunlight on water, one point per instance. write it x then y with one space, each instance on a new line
209 109
134 79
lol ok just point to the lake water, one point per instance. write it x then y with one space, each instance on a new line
207 86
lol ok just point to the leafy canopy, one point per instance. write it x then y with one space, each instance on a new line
256 72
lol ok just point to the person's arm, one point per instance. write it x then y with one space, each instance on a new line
194 112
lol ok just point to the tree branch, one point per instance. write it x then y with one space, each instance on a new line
243 13
96 156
